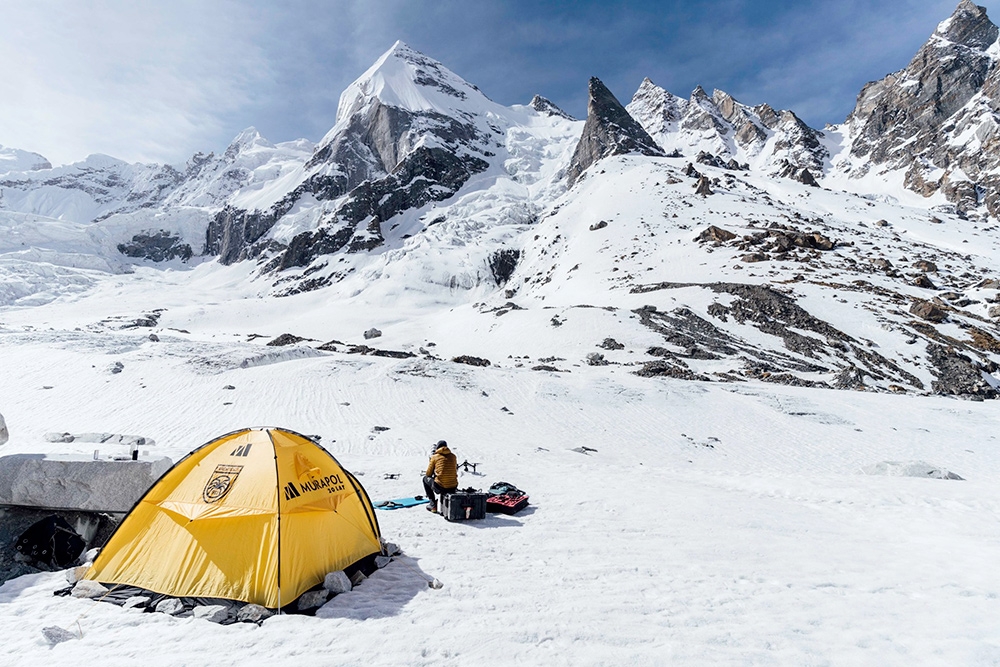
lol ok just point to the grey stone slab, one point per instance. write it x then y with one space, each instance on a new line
34 480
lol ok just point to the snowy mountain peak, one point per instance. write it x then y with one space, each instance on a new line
15 159
405 78
968 26
934 122
248 139
609 130
547 107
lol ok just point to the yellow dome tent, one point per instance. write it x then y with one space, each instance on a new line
259 515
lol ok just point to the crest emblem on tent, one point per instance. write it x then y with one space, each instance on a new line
219 484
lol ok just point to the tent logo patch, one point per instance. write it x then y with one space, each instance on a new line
330 483
242 450
220 483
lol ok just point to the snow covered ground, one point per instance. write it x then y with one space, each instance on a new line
712 524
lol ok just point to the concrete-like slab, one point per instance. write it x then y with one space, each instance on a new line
37 480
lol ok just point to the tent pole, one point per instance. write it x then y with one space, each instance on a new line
277 498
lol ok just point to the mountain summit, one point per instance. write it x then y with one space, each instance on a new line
609 130
937 119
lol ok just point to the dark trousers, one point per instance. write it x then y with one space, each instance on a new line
430 486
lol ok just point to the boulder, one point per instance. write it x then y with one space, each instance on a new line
703 187
611 344
994 312
34 480
928 311
382 561
596 359
923 282
288 339
357 578
925 265
137 601
372 333
471 361
716 234
216 613
85 588
313 600
337 582
882 264
752 257
54 634
4 435
253 613
170 606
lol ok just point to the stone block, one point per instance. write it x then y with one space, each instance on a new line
171 606
216 613
313 599
253 613
85 588
36 480
337 582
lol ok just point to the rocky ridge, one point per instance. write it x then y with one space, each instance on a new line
937 119
609 130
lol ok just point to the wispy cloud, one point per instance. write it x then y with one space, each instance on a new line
141 81
146 80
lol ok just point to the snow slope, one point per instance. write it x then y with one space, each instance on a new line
724 524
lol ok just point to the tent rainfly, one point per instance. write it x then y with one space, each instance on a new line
259 515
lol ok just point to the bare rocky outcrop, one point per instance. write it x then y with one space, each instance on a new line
547 107
158 246
938 117
728 133
609 130
379 161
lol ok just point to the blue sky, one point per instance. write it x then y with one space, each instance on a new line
156 81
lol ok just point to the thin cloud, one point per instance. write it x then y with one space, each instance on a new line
159 81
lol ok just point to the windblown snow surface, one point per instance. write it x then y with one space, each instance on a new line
671 522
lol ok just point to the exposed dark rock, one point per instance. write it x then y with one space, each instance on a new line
928 311
161 246
542 105
502 264
471 361
912 119
957 374
596 359
372 333
851 377
285 339
924 282
609 130
611 344
754 257
598 225
800 174
703 187
773 313
664 369
925 265
716 234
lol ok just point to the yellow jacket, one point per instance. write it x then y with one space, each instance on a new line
443 467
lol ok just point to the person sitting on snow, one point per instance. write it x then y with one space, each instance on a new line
441 475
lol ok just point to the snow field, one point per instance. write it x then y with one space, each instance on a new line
724 524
